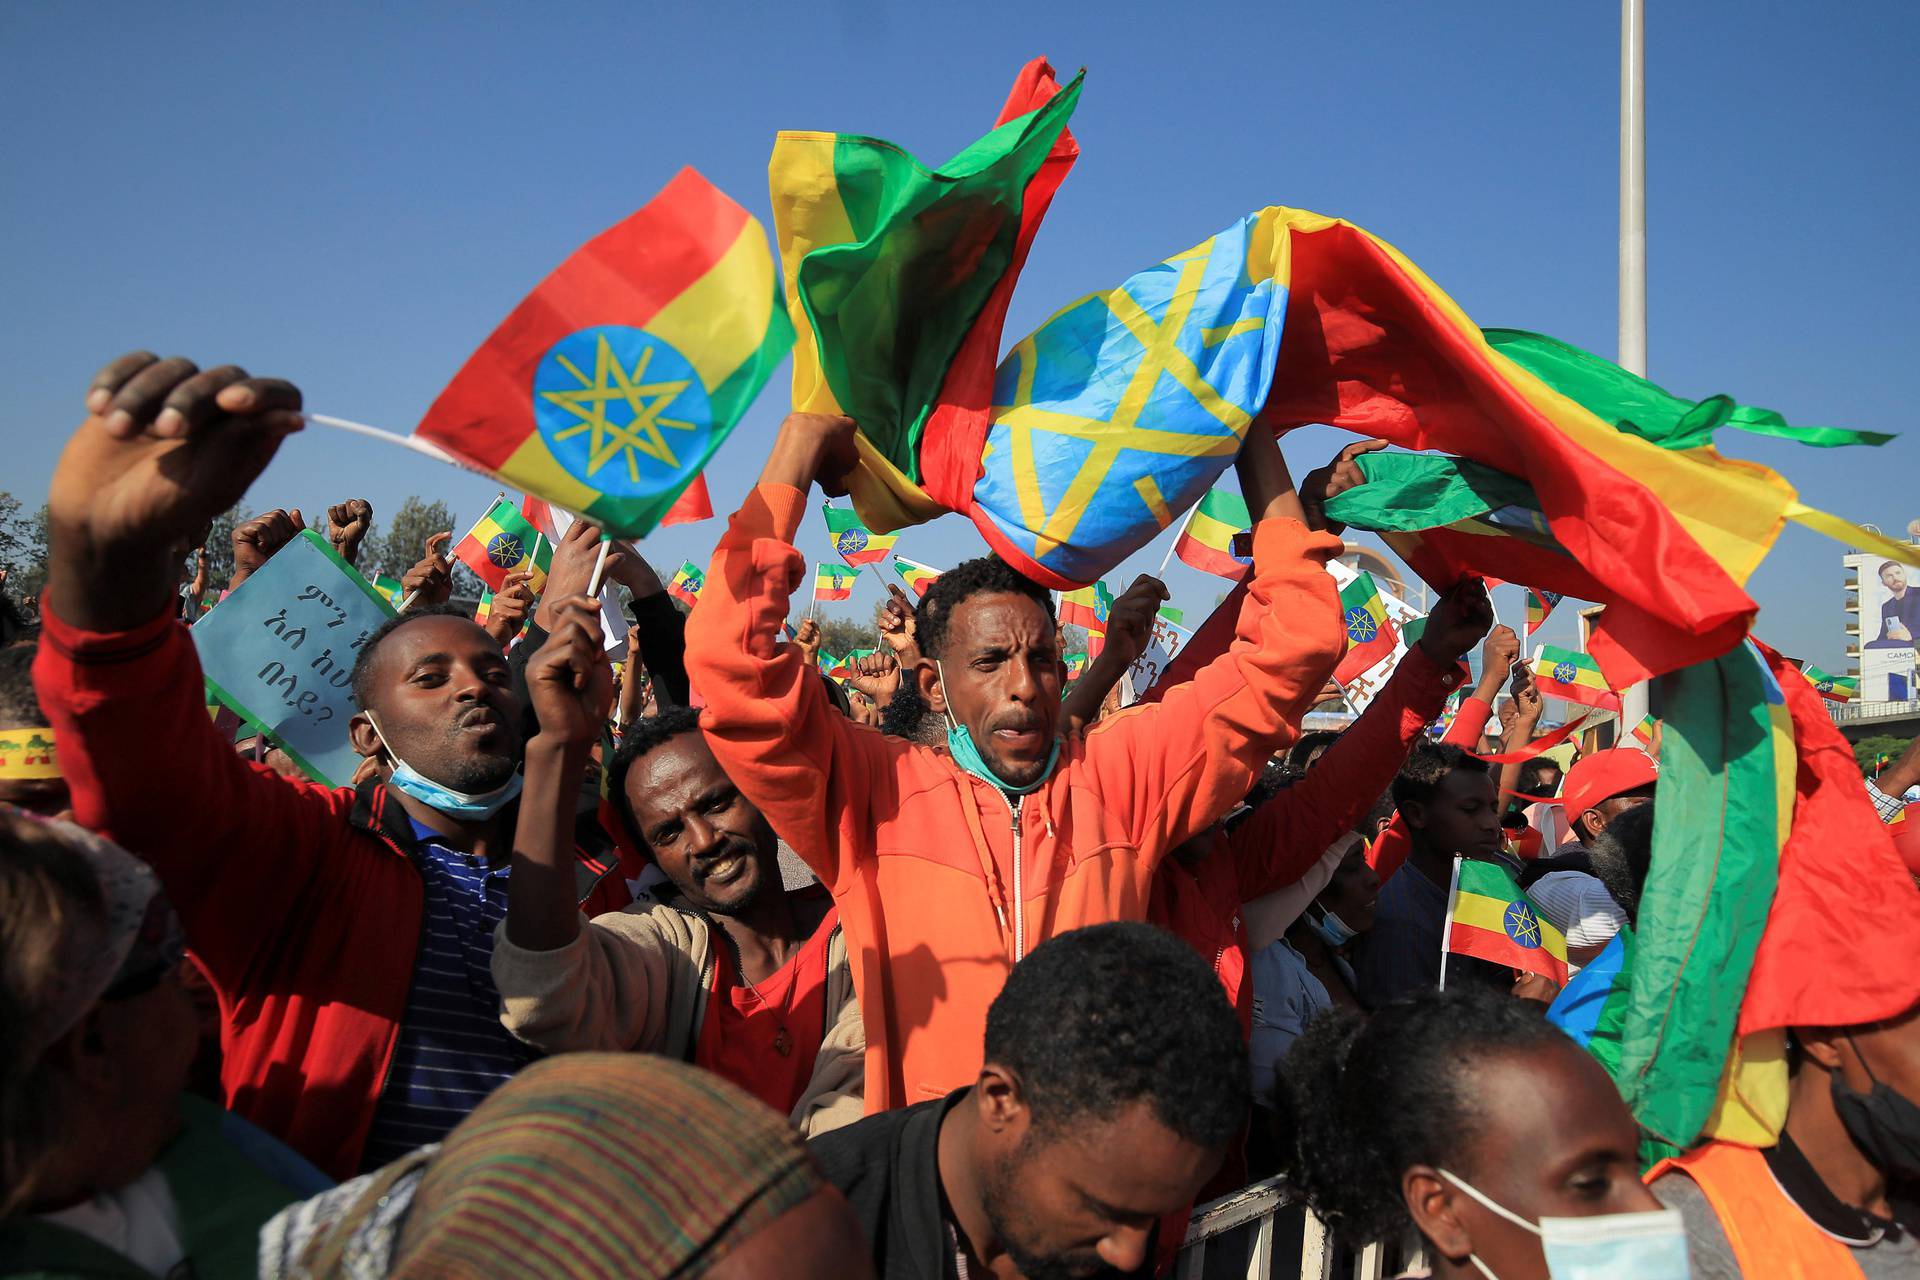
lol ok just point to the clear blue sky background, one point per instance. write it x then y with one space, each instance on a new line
353 195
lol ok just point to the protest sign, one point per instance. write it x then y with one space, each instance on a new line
280 650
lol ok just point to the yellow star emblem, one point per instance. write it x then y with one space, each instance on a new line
648 401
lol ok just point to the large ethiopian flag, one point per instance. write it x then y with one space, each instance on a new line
611 384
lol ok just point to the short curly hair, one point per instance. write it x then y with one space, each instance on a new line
1363 1098
363 661
639 738
1097 1018
987 575
1427 766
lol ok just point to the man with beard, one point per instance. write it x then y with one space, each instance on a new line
1114 1079
348 932
950 864
726 970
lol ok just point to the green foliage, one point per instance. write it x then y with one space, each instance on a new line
405 543
840 636
23 547
1867 750
220 549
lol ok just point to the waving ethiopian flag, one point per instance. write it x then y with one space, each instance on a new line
898 278
607 389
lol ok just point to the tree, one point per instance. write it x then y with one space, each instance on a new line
406 541
23 547
841 636
1868 750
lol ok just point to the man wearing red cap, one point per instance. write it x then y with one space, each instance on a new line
1599 788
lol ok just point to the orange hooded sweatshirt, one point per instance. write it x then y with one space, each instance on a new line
943 880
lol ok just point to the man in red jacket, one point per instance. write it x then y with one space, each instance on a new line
348 933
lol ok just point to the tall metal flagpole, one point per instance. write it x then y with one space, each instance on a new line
1633 246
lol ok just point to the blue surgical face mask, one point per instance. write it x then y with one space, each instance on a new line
1331 929
1647 1246
968 757
455 804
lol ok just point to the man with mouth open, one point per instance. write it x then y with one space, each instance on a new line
948 864
348 932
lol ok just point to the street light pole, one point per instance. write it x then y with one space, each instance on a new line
1633 249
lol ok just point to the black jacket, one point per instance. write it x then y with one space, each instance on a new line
888 1167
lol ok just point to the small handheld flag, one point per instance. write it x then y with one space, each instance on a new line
1207 541
1574 677
833 582
1540 603
1076 665
390 588
918 576
1489 918
608 388
1831 687
485 611
502 541
855 543
1087 607
687 581
1371 636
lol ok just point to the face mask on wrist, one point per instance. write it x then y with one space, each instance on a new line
1646 1246
1883 1123
444 799
968 757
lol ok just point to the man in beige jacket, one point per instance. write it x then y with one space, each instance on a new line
726 970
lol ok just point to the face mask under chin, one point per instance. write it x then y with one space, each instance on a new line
966 753
468 805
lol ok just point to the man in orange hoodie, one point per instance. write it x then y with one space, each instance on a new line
950 864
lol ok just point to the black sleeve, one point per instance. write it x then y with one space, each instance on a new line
663 646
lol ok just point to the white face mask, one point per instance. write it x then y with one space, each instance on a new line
1644 1246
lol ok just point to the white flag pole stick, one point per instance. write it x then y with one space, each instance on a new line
599 566
1167 559
1446 935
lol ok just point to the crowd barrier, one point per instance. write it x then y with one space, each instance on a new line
1257 1232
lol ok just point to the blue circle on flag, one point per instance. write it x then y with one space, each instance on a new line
505 550
1564 672
1824 686
1361 625
622 411
1522 926
848 541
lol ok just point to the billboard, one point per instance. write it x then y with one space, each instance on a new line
1889 622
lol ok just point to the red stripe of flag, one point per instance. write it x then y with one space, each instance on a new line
656 253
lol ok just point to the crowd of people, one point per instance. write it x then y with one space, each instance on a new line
729 973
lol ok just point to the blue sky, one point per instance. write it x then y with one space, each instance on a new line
353 195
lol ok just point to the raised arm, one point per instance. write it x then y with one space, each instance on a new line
1281 839
1179 764
815 775
166 448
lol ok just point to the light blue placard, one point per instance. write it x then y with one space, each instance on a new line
280 652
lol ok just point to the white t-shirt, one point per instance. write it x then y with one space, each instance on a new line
139 1221
1580 907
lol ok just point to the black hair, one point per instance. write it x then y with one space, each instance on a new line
1621 855
1381 810
987 575
640 737
908 716
1363 1098
1532 777
363 661
1427 766
19 704
1097 1018
1301 752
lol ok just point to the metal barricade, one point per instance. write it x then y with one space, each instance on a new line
1273 1226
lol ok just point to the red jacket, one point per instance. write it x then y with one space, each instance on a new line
1279 841
300 902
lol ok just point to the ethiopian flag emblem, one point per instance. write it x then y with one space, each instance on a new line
1489 917
609 387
